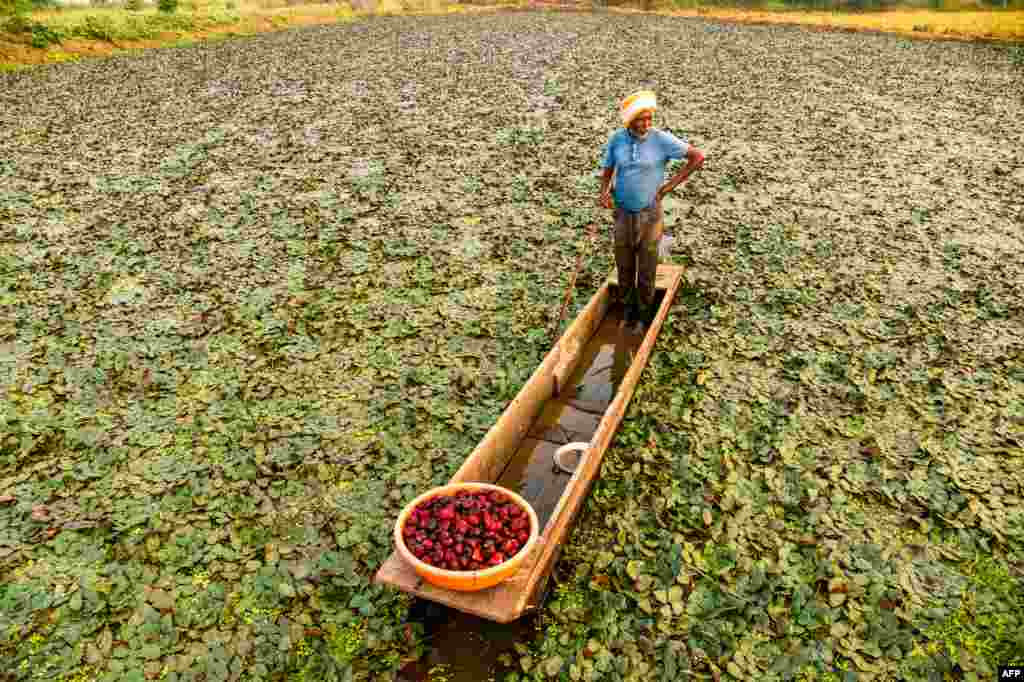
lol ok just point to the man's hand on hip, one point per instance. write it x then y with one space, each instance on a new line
694 160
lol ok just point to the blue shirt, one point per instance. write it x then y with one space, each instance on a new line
640 166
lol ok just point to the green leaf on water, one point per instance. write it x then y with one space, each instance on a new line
150 652
553 665
643 582
675 598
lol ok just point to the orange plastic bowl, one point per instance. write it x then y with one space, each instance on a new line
467 581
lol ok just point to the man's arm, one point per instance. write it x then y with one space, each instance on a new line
694 160
606 184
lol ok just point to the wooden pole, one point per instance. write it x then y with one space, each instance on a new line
572 282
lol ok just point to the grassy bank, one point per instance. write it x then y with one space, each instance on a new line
59 35
69 34
926 23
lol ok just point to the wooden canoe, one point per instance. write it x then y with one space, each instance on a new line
521 593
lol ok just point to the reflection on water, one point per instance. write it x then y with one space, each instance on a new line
461 647
603 365
574 415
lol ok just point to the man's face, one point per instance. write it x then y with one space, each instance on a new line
641 124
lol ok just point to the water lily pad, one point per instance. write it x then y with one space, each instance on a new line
603 560
126 290
634 568
553 665
160 599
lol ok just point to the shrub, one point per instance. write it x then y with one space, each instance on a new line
171 22
140 28
44 36
97 28
133 5
168 6
10 8
1017 55
17 24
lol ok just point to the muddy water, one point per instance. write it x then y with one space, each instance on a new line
573 415
465 648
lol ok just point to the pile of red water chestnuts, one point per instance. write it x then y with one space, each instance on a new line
467 531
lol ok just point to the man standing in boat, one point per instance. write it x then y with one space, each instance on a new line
636 155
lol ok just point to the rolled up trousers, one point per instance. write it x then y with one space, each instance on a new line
636 250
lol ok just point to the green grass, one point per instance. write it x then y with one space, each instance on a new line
848 5
987 626
118 24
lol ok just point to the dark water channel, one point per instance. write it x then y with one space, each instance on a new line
465 648
572 416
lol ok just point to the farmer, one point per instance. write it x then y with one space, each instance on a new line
637 155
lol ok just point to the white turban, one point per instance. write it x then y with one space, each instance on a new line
644 100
